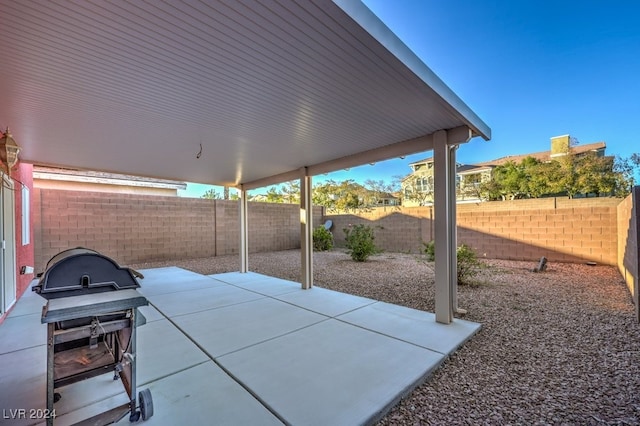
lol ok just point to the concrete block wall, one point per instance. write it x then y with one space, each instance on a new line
396 229
563 234
628 253
129 228
561 229
227 230
140 228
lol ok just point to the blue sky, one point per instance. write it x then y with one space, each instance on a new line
530 69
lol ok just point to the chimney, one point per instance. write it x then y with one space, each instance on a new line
560 145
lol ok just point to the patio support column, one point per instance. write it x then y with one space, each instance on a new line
244 231
453 229
306 229
444 191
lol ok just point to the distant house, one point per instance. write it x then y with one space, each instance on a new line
417 187
81 180
385 199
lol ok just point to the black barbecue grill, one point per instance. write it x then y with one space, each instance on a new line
79 271
91 318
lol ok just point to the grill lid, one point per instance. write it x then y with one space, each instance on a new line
79 271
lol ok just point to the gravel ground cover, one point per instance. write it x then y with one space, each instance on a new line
559 347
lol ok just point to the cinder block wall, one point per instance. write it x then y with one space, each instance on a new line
628 217
396 229
561 229
141 228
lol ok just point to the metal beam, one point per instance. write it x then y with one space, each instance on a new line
272 180
306 229
459 135
244 230
398 149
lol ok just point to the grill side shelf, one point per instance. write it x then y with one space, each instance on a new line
88 305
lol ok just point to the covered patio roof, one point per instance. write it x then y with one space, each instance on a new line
236 93
259 89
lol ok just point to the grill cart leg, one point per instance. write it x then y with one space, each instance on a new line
50 353
128 375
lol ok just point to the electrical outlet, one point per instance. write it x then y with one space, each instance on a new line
26 270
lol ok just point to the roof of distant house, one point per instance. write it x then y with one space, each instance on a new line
471 168
542 156
387 195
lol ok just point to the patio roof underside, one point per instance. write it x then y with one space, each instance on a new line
220 92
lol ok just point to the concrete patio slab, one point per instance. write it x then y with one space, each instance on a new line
330 373
29 303
227 354
169 274
238 277
186 302
22 379
231 328
324 301
411 325
173 280
164 350
201 395
22 332
84 393
150 313
268 286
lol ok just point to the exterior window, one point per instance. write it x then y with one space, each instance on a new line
473 179
424 184
26 217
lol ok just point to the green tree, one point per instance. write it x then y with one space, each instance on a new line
570 175
419 189
536 174
274 196
339 196
350 196
291 192
211 194
509 179
568 182
595 175
627 169
490 190
325 194
376 190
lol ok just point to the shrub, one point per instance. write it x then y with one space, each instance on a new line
468 264
322 239
359 240
430 250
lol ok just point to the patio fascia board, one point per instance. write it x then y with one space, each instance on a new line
423 143
107 181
